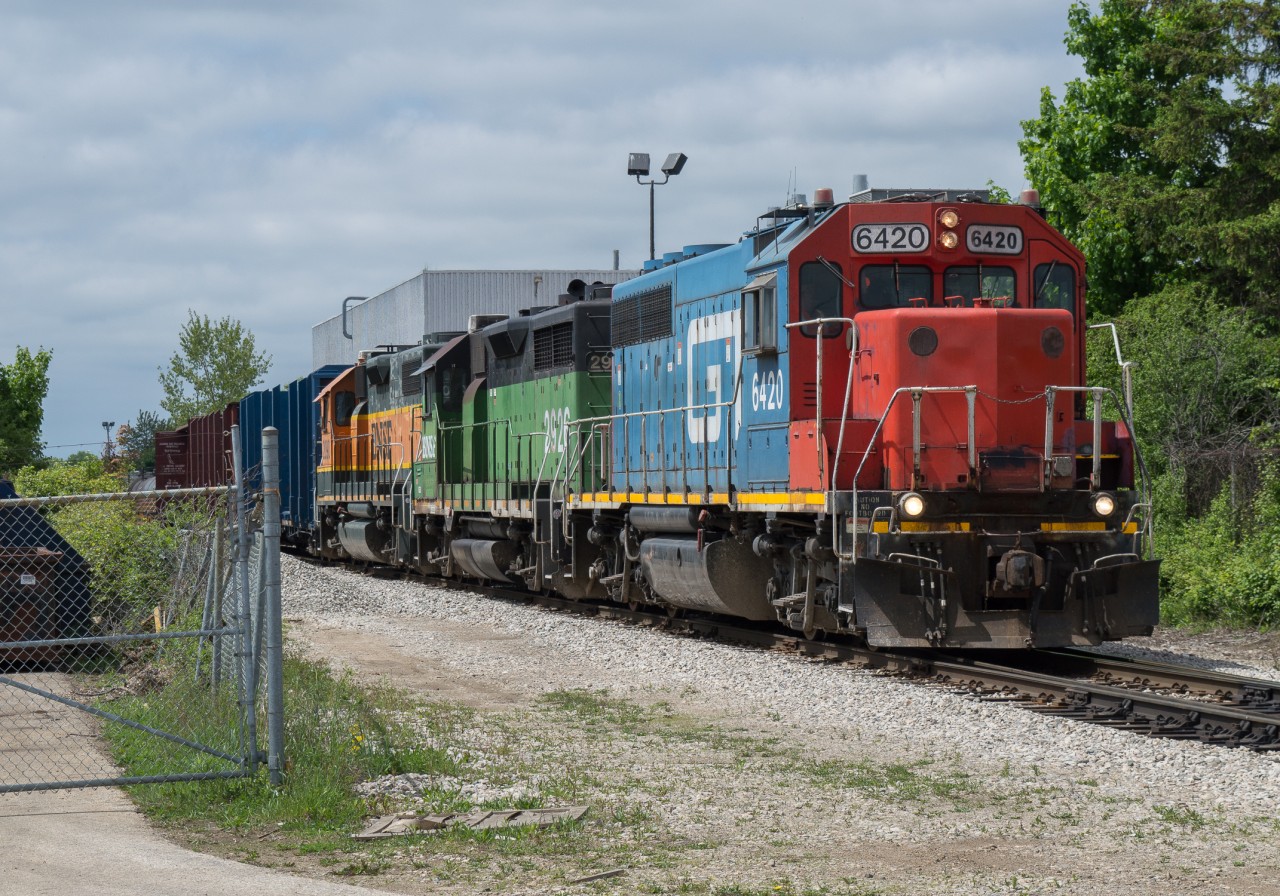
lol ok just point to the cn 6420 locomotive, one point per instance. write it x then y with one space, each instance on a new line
867 418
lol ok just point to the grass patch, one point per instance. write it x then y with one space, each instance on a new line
896 781
337 734
595 710
340 734
1181 816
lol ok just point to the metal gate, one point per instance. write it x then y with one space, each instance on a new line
135 632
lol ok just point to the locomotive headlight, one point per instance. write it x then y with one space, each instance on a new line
948 239
948 218
911 505
1104 504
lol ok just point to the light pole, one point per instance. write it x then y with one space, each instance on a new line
638 164
106 448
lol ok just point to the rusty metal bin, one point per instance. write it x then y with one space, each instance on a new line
30 604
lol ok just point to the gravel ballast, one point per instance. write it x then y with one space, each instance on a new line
835 780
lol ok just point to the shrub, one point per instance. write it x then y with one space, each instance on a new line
1223 568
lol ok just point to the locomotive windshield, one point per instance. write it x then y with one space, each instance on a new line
979 283
894 285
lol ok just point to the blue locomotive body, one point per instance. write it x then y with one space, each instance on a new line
699 414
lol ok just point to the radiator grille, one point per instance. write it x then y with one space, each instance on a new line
642 318
553 346
410 384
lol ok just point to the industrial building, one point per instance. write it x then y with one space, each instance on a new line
440 301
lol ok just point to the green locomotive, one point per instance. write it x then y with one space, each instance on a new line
504 432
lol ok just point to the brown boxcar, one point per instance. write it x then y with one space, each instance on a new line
209 447
171 459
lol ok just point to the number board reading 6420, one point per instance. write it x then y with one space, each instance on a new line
897 238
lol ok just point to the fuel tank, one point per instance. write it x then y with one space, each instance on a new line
363 540
724 577
484 559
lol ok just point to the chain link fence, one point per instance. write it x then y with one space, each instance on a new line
136 630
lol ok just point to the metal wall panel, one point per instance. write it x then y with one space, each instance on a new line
436 301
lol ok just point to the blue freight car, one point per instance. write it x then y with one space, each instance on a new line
292 410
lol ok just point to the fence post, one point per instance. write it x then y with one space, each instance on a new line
248 662
272 610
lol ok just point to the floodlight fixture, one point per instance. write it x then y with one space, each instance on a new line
674 164
638 167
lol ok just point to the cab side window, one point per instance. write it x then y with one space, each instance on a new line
820 290
344 403
453 382
1054 286
759 321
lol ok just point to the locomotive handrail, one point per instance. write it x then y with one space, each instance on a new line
819 323
917 393
488 431
1095 471
574 468
1126 367
378 467
661 414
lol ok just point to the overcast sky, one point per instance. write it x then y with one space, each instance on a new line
263 160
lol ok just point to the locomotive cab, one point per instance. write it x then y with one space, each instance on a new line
966 350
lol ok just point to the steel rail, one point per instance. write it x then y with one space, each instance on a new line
1257 694
1158 715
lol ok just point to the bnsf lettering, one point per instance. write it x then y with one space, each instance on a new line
382 431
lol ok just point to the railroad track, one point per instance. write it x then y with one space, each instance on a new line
1154 699
1142 697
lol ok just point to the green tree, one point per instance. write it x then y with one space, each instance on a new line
23 386
216 363
83 473
1163 163
1207 383
131 554
137 440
